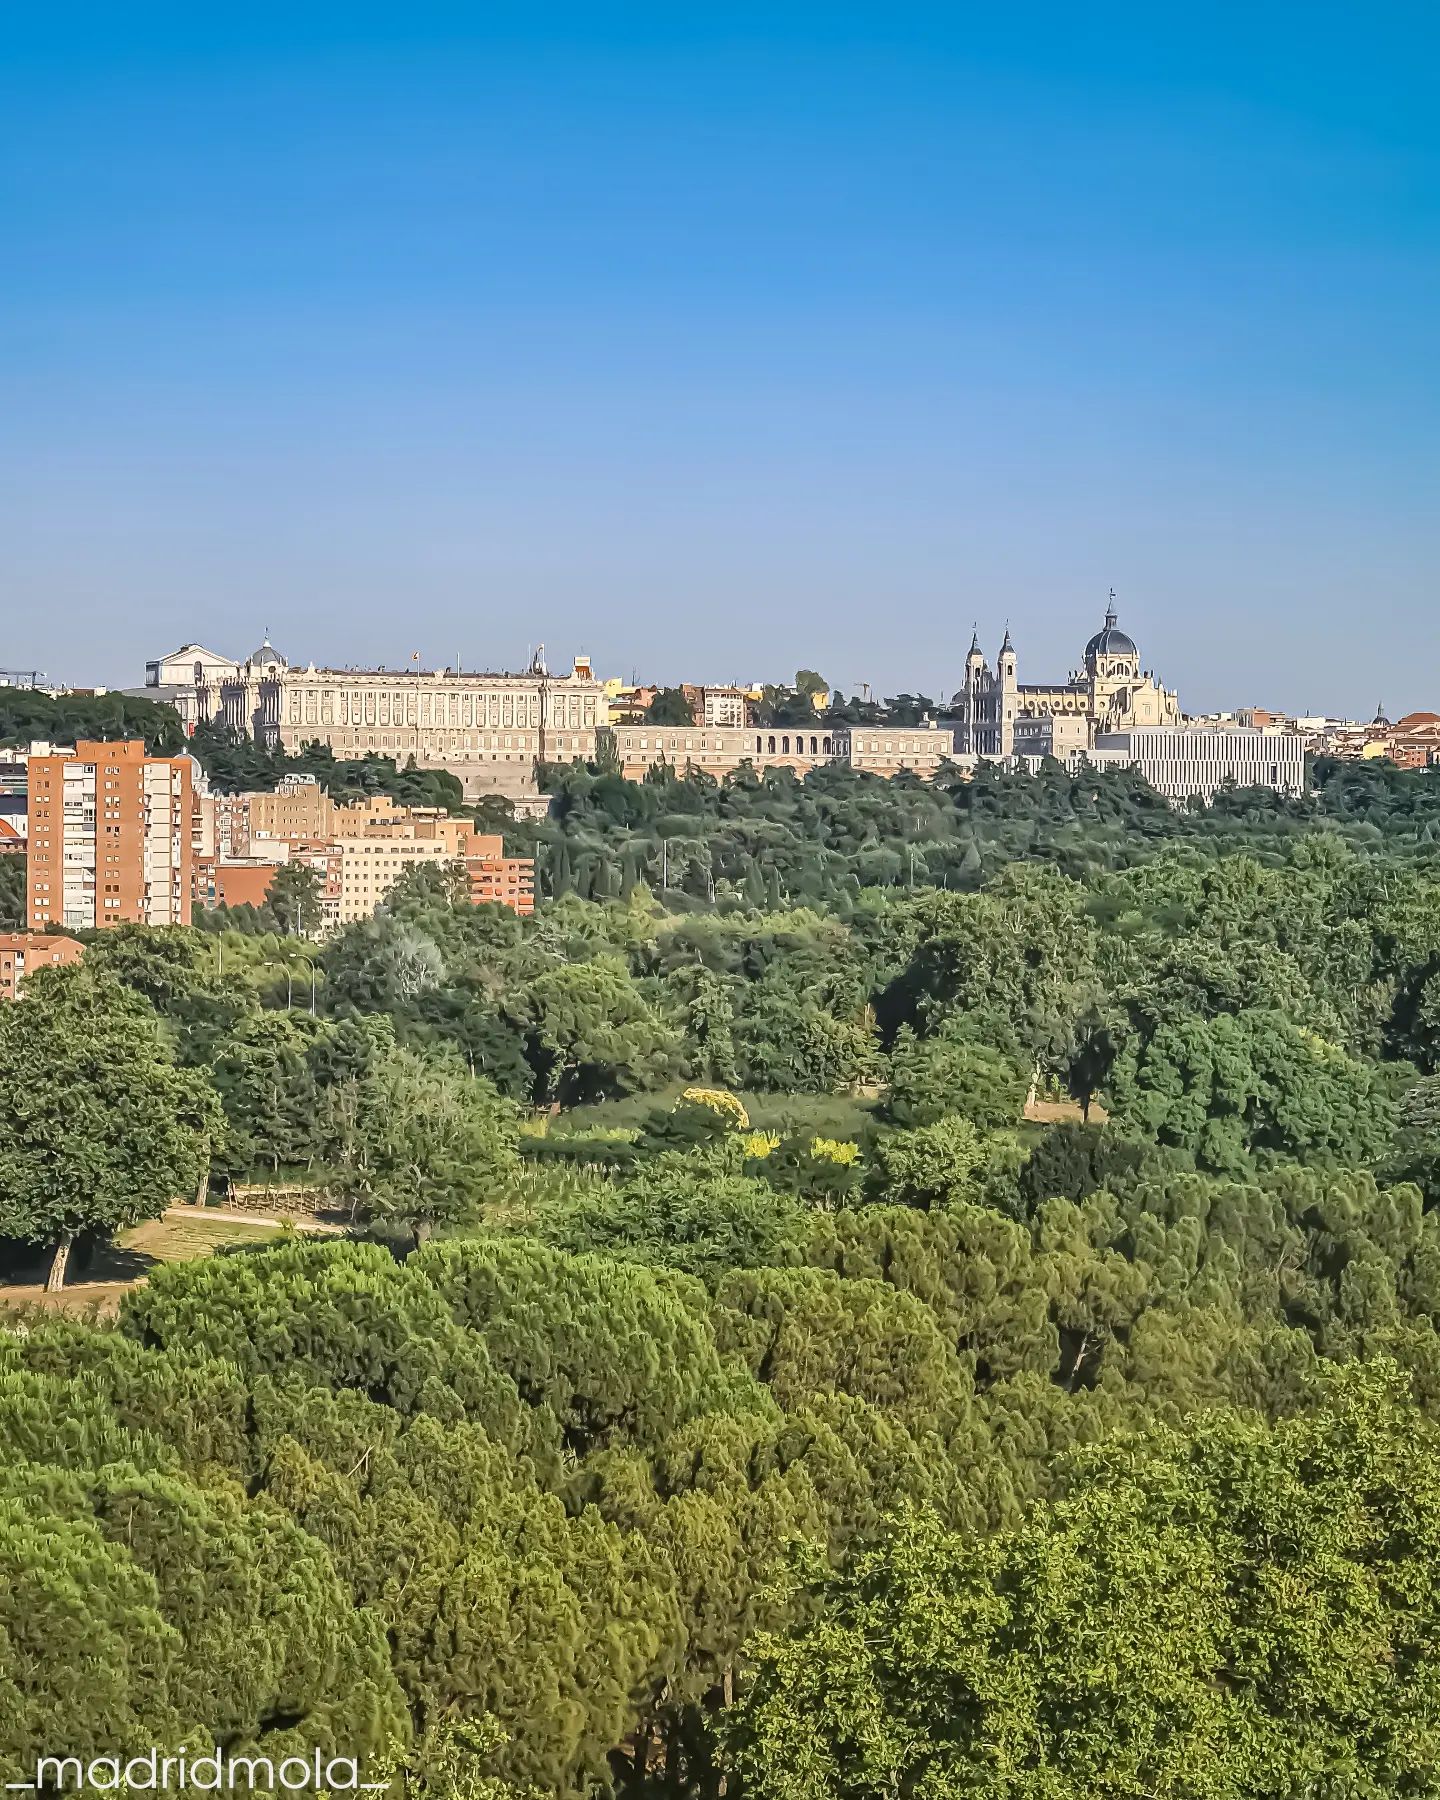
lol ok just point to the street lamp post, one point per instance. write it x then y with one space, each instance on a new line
289 983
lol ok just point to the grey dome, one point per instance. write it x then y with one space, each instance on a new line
267 653
1110 640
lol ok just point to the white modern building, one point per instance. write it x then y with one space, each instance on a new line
1181 762
1185 764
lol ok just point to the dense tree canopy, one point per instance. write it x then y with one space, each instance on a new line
27 714
670 707
822 1332
12 891
238 764
575 1471
1243 1610
822 837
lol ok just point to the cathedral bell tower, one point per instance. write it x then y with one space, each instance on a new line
971 697
975 660
1007 697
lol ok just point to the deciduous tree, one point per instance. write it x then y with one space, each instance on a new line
102 1128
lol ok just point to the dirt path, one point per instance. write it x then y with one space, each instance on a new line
226 1215
98 1299
1063 1112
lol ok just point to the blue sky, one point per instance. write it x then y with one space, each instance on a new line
713 341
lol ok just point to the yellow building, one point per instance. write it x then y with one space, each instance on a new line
370 867
367 846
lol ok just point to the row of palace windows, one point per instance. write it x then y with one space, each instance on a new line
435 710
819 746
775 745
370 707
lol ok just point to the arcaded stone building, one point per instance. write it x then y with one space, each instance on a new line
720 750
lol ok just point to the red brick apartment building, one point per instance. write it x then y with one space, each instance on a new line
23 952
510 880
110 837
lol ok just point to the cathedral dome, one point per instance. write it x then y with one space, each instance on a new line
1110 640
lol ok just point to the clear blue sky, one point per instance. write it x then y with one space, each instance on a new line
717 340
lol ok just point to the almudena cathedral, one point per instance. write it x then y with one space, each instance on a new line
492 729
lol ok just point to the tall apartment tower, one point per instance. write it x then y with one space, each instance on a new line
110 838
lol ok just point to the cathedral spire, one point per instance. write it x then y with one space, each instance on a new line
1007 648
1111 616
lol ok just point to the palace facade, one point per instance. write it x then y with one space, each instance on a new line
489 729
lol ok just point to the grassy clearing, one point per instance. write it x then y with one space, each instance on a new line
822 1115
116 1268
182 1240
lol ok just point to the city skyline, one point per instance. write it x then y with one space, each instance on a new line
723 344
656 672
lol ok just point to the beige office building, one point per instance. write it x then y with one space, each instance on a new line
374 840
300 807
370 867
371 864
362 849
